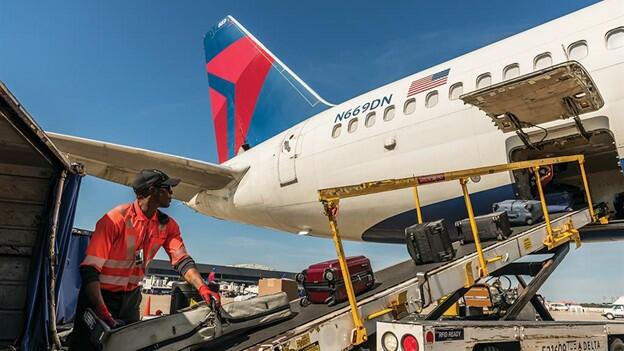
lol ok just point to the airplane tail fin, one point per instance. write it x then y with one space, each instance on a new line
253 95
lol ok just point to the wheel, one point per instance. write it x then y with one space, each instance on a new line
300 277
329 275
610 316
371 281
616 345
529 221
304 302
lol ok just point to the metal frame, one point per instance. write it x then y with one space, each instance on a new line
531 289
330 198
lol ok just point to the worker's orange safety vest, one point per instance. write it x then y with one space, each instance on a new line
125 241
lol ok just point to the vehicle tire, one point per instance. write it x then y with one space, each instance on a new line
609 316
616 345
529 221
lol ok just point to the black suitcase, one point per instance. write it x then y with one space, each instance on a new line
429 242
491 226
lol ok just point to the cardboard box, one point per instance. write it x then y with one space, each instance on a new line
269 286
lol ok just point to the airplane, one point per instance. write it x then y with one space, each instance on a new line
552 90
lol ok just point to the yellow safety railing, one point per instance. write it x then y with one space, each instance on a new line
331 197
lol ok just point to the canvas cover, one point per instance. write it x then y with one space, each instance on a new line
192 326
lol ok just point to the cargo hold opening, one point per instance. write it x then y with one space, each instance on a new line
601 164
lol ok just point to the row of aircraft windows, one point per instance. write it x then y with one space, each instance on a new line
614 39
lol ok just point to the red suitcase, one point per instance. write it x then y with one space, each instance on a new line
323 283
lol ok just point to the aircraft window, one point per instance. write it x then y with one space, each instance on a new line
353 124
542 61
455 91
431 99
336 130
409 107
389 113
615 38
484 80
578 50
370 120
511 71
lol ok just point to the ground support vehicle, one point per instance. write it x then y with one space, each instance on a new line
504 335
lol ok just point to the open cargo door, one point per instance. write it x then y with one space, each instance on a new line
558 92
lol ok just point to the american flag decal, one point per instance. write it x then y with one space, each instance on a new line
428 82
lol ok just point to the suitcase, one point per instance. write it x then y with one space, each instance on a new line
323 283
564 198
429 242
520 212
559 202
492 226
192 326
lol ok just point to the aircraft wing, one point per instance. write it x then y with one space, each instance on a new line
119 164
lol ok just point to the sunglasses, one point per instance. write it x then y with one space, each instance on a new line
167 187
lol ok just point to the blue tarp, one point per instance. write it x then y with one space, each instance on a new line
69 281
36 334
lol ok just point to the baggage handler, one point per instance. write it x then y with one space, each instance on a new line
125 240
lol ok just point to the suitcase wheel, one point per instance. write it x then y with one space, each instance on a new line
300 277
330 301
304 302
329 275
371 281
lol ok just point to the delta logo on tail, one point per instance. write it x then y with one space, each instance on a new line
253 96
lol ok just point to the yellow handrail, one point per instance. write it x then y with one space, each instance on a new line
358 335
366 188
417 202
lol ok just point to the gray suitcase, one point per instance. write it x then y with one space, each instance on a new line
190 327
492 226
520 212
429 242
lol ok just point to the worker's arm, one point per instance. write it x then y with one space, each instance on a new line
91 283
97 251
92 289
190 273
184 264
194 278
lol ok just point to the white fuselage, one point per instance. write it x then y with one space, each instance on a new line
280 189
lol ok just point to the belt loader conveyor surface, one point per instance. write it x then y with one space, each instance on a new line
439 279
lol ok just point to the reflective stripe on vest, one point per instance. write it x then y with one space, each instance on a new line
119 281
94 261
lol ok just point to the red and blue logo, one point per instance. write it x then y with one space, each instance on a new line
252 96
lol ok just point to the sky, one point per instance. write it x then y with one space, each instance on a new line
132 73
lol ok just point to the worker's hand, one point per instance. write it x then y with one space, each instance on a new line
104 314
209 295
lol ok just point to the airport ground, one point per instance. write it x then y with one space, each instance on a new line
161 302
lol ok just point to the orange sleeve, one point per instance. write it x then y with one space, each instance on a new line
100 244
174 245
